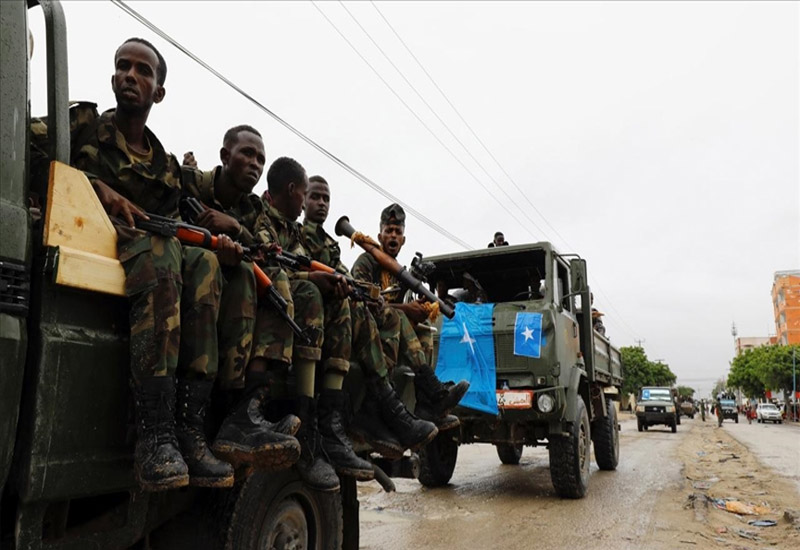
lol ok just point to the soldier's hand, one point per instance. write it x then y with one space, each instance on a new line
218 222
117 205
330 284
415 311
189 160
228 252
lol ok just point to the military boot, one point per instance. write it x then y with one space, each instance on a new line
314 470
158 464
246 437
412 432
426 410
367 427
436 399
289 424
337 446
205 470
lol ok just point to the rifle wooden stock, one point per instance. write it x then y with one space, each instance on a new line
343 228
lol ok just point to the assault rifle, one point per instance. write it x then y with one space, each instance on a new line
361 290
202 237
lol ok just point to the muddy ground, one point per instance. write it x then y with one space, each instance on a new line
662 496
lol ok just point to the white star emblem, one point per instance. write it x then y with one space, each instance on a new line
528 334
466 339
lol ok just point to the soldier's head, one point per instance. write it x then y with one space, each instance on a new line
318 199
499 239
139 75
287 183
393 226
243 157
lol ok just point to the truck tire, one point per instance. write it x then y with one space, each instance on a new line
605 435
570 456
437 460
276 510
508 453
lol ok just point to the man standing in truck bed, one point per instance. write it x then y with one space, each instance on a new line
413 339
175 291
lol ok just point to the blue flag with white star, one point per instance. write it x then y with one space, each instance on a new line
528 335
466 352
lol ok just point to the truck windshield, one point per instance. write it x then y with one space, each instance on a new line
650 394
727 402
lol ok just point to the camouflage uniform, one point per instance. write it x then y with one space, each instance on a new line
401 341
332 316
174 290
324 248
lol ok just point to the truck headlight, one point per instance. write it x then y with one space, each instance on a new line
545 402
670 409
639 408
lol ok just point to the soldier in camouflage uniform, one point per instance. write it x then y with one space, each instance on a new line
174 291
383 420
407 338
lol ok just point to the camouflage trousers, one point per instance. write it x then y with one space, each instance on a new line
367 340
402 344
337 347
174 293
236 324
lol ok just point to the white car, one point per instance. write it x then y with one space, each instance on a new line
768 412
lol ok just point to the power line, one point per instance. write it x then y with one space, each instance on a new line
439 118
422 122
370 183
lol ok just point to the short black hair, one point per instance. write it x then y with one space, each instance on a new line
499 234
284 171
232 135
161 70
317 179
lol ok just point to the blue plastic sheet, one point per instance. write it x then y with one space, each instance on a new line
466 352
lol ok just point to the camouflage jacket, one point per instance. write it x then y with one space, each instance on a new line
249 211
154 186
322 247
367 268
277 228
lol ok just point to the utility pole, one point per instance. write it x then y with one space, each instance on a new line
640 342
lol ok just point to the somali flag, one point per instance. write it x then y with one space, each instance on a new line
466 352
528 335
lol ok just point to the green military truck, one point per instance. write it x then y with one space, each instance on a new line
66 424
562 396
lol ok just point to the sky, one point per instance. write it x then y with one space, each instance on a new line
660 141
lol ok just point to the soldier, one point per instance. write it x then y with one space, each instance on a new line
498 240
382 407
174 290
412 342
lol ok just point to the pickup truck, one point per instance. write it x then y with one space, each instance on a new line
559 391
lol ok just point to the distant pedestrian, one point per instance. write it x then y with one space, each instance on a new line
499 240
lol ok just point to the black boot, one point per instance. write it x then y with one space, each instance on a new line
440 398
337 447
367 427
287 425
315 472
158 464
246 437
412 432
205 470
432 413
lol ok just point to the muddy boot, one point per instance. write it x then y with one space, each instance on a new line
337 447
313 469
367 427
412 432
287 425
205 470
246 437
437 398
432 413
158 464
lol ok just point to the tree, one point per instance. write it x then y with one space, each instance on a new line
762 368
639 371
685 392
744 374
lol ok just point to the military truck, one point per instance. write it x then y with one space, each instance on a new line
655 406
565 397
728 406
66 425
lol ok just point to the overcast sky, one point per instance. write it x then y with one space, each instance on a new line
658 140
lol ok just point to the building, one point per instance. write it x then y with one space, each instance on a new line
786 305
750 342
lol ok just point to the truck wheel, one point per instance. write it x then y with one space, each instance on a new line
276 510
605 435
570 456
508 453
437 460
674 426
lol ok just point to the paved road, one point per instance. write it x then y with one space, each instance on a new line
775 445
489 505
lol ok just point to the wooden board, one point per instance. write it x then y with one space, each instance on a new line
76 222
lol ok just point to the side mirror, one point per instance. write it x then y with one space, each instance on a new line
577 275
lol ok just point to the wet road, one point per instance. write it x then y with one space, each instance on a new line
490 505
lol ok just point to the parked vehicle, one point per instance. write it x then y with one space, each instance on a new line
767 412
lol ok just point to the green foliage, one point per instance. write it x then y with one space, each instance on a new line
639 371
685 391
762 368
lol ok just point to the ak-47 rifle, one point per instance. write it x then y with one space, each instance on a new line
361 290
202 237
343 228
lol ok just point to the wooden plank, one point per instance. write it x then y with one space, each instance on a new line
87 271
74 215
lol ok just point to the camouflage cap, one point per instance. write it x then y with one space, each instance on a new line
393 214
